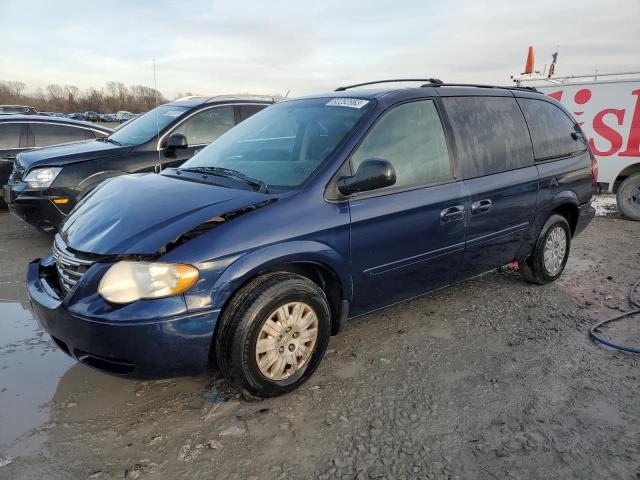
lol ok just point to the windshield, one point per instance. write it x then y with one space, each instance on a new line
283 145
146 126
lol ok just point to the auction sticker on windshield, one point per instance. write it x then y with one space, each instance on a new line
348 102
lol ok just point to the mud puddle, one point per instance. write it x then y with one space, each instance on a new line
30 368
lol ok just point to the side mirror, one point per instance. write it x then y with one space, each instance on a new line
372 174
177 140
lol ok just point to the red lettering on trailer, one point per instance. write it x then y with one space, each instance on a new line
607 132
633 144
556 95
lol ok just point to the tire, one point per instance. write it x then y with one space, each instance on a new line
241 327
555 233
628 197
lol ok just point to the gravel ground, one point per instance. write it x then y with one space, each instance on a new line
490 379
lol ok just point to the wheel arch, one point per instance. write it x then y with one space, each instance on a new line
318 262
568 210
623 174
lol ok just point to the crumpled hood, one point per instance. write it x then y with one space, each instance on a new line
140 214
70 153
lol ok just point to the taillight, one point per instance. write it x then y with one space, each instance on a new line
594 167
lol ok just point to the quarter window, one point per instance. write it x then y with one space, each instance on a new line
245 111
490 134
204 127
412 139
10 135
551 130
46 134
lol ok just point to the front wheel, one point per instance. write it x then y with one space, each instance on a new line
628 197
550 253
273 334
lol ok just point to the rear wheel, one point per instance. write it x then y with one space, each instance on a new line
273 334
628 197
550 253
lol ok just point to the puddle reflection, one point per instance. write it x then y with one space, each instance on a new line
30 368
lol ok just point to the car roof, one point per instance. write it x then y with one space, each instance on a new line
427 90
195 100
48 119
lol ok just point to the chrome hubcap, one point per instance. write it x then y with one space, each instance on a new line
555 249
287 340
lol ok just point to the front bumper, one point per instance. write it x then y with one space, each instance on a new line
5 173
586 213
148 348
35 208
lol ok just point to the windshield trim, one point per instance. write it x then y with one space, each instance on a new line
196 110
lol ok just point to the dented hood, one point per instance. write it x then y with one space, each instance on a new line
140 214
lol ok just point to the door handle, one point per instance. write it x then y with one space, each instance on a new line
452 214
481 206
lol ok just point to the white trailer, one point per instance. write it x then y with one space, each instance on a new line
607 106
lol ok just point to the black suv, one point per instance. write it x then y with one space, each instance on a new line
46 184
19 133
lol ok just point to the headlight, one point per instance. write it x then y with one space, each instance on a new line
42 177
126 282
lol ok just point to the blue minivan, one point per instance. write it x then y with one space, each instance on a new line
309 213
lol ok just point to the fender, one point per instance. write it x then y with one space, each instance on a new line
252 264
562 197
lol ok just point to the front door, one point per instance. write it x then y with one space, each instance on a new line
406 239
201 129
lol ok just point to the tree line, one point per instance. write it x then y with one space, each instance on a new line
114 96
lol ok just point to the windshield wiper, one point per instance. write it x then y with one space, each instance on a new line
110 140
254 183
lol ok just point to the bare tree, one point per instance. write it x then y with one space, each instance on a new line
69 98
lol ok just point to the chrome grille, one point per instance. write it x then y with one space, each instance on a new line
69 266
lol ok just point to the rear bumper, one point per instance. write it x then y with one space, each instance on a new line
586 213
162 347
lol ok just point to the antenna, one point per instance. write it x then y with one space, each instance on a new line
287 94
155 98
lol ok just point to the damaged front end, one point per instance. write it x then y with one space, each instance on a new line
212 223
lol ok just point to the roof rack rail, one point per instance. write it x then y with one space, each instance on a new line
430 82
479 85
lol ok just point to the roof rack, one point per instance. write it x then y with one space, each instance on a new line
479 85
430 82
434 82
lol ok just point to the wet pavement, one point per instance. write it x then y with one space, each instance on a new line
34 374
30 365
490 379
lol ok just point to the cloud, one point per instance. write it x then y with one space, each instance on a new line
267 47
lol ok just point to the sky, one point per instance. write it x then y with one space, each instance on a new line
305 47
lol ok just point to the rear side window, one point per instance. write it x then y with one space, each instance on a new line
550 129
245 111
490 134
412 139
10 135
204 127
45 134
